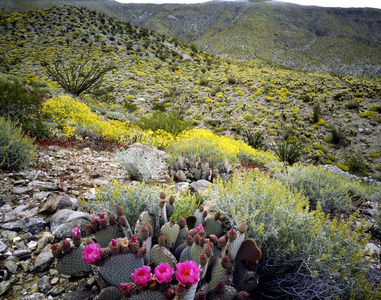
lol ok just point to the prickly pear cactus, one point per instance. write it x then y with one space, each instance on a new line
104 236
249 251
72 263
185 254
170 230
213 226
244 279
118 268
144 219
220 273
161 254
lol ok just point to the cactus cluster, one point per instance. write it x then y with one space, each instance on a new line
210 261
193 169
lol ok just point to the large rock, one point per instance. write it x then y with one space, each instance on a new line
43 260
145 149
200 185
58 201
63 222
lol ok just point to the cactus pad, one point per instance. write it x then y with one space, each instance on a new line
218 274
170 230
191 222
244 280
104 236
234 246
196 251
161 254
73 264
118 268
179 250
185 255
249 251
212 226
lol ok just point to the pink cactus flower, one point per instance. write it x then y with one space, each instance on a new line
91 254
163 273
142 276
188 273
76 233
198 228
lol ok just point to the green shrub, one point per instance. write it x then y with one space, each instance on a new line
21 102
316 113
255 139
169 122
289 153
140 166
203 148
248 117
16 149
133 198
355 162
331 190
131 107
338 136
116 115
353 105
300 248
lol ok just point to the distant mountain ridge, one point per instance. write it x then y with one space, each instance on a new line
306 38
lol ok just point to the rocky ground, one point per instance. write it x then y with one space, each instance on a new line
40 206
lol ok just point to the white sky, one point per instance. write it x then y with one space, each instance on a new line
327 3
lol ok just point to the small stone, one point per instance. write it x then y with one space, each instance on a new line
8 234
34 225
25 265
55 280
44 284
4 287
79 295
53 272
90 281
22 190
86 151
11 266
55 291
16 239
46 238
3 247
374 251
23 252
32 245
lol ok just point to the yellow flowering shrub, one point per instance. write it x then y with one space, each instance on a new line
70 114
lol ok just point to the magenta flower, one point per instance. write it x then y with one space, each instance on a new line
163 273
198 228
187 273
91 254
142 276
76 233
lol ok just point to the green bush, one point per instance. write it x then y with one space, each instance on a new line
140 166
300 248
289 153
16 149
201 148
355 162
333 191
170 122
21 102
254 139
316 113
338 136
